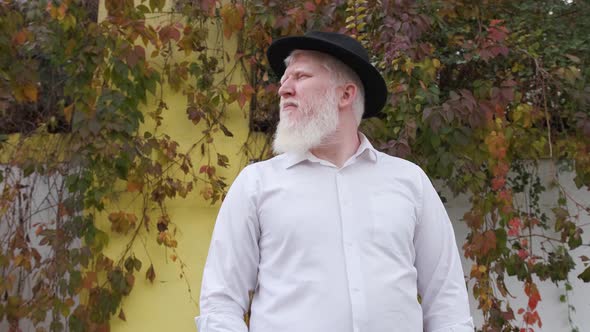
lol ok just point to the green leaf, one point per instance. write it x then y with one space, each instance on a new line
122 165
129 263
585 275
137 264
435 141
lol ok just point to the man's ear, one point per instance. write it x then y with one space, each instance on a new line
348 95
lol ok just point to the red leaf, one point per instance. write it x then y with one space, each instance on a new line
248 89
530 289
242 98
495 22
140 52
310 6
203 169
498 183
489 242
169 32
534 300
514 226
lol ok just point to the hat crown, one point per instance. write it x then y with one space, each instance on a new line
341 40
342 47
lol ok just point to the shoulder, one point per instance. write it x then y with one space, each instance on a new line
265 166
252 173
401 167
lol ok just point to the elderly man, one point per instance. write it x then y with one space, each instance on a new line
331 235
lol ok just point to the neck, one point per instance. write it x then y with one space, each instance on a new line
341 145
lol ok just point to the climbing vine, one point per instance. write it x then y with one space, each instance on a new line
482 95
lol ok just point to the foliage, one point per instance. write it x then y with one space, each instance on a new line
481 92
98 76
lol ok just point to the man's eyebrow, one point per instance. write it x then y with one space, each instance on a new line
297 71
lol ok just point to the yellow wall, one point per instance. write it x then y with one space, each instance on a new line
166 305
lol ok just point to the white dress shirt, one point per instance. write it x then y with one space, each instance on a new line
330 249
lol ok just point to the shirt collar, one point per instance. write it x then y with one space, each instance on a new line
365 150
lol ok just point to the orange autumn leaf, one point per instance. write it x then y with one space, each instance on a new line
89 280
61 11
30 92
133 186
20 37
58 13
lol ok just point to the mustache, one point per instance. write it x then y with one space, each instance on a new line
288 102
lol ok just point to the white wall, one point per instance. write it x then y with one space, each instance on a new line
37 206
553 313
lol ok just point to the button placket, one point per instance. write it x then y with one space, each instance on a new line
351 253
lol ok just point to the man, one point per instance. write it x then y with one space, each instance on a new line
331 235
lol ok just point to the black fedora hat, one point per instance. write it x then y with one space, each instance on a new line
343 48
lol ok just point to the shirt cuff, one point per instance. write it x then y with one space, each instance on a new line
466 326
220 323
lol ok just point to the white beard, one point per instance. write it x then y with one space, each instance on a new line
319 120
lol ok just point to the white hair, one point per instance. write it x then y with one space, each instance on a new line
340 73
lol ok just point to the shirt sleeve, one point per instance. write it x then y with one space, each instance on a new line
232 263
441 283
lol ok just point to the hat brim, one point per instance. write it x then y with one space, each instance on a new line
374 84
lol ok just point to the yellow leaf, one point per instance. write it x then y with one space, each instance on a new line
232 16
18 260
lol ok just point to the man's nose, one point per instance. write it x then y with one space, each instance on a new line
286 89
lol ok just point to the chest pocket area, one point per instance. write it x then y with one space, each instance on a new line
393 219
